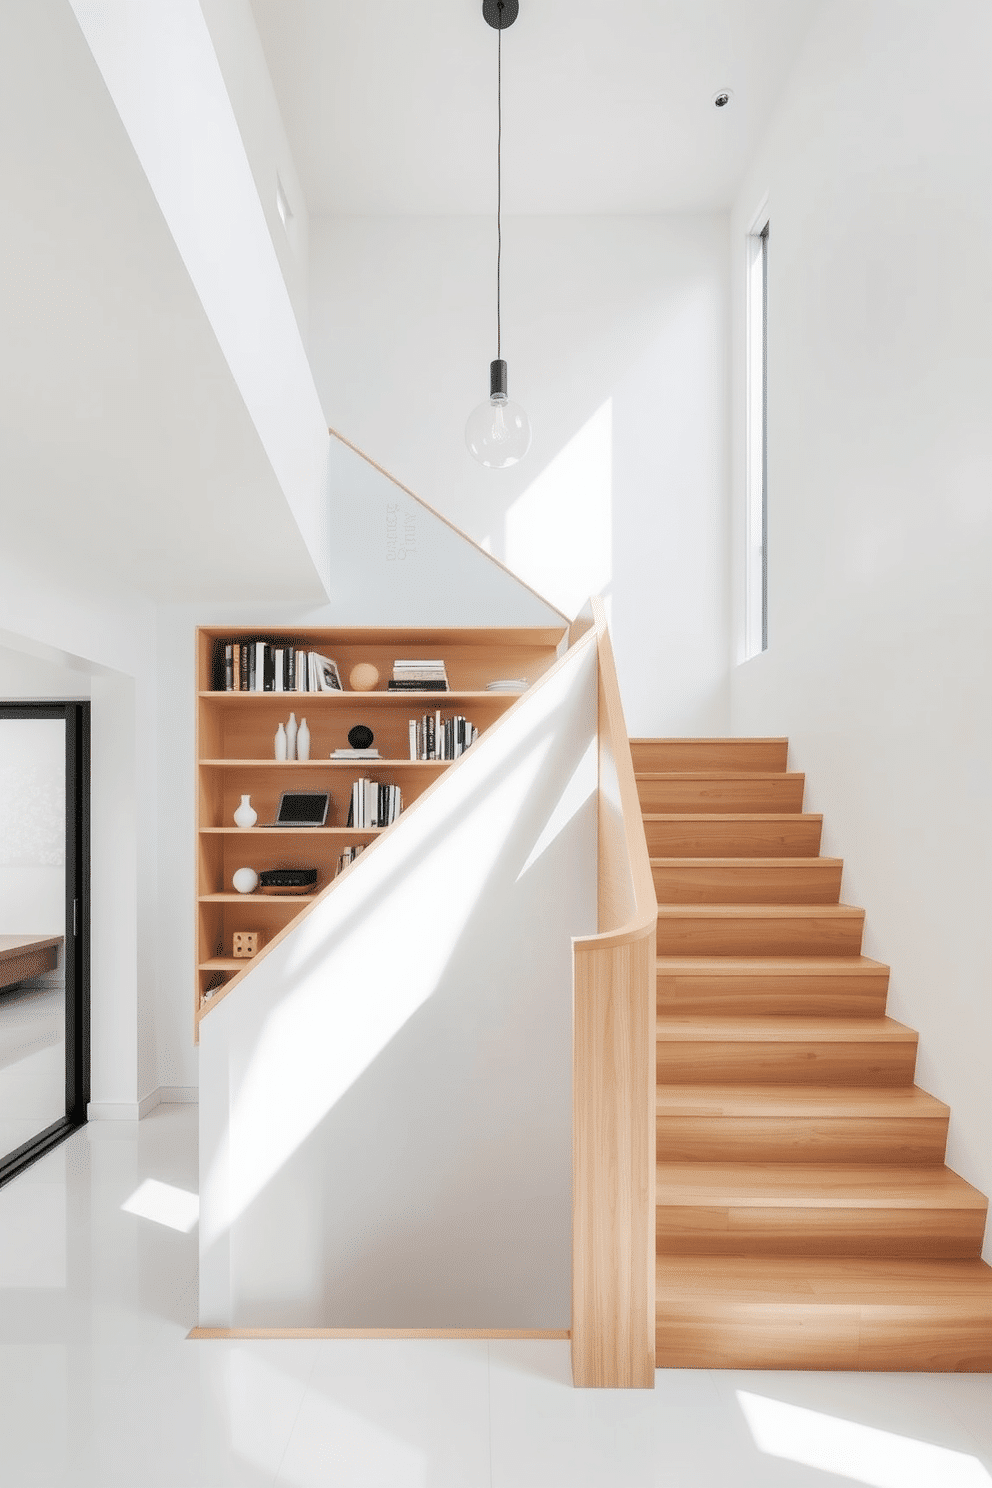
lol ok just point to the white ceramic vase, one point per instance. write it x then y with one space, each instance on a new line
303 741
281 743
291 732
246 815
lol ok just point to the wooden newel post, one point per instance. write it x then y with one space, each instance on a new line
613 1166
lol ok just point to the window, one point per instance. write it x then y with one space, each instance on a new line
756 572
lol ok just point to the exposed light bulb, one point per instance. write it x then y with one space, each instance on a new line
497 432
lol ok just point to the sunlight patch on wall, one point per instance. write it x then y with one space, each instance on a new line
559 532
882 1459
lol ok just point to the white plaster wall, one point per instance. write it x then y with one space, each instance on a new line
385 1119
880 518
615 332
161 68
63 644
249 86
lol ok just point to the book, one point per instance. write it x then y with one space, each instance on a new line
354 754
425 684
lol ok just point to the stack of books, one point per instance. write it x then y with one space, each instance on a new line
348 856
435 738
252 665
374 804
418 676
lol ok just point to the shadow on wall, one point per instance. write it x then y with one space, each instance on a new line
398 1142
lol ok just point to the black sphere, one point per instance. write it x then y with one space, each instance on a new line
360 737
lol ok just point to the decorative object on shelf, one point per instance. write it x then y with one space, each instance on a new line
288 880
245 880
292 729
508 684
360 741
498 432
303 741
326 677
246 815
245 944
364 677
282 743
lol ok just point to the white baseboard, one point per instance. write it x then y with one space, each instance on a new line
164 1095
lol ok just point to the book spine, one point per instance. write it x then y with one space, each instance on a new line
413 739
278 669
229 667
259 666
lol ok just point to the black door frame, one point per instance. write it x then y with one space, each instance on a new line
77 929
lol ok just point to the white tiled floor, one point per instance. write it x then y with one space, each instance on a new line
99 1385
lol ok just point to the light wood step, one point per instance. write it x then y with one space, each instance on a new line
829 986
759 930
784 1051
782 1209
747 880
732 834
720 791
797 1313
710 754
835 1124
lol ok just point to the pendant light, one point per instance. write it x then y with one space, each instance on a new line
498 431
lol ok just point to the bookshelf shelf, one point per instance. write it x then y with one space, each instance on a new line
295 832
235 757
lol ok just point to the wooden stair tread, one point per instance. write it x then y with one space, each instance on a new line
760 911
772 1028
749 775
707 817
856 1281
746 863
801 1101
826 1186
769 966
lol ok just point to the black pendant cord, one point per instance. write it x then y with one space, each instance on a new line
499 175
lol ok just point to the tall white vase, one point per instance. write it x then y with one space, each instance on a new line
303 741
291 732
281 746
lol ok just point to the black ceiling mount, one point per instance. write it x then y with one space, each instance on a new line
500 13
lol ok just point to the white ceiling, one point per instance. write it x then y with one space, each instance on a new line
127 456
390 106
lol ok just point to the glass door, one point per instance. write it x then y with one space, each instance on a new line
44 916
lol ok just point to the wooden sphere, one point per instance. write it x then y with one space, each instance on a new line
364 677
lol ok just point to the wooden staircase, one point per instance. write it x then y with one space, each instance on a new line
805 1218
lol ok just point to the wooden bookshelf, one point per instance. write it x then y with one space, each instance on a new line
235 757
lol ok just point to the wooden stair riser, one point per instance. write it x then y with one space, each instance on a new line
761 993
920 1141
910 1233
722 794
696 834
763 755
824 1314
746 881
792 1063
759 931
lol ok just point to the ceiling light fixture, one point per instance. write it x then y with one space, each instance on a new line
498 431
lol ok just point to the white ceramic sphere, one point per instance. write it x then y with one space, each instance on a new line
245 880
364 677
